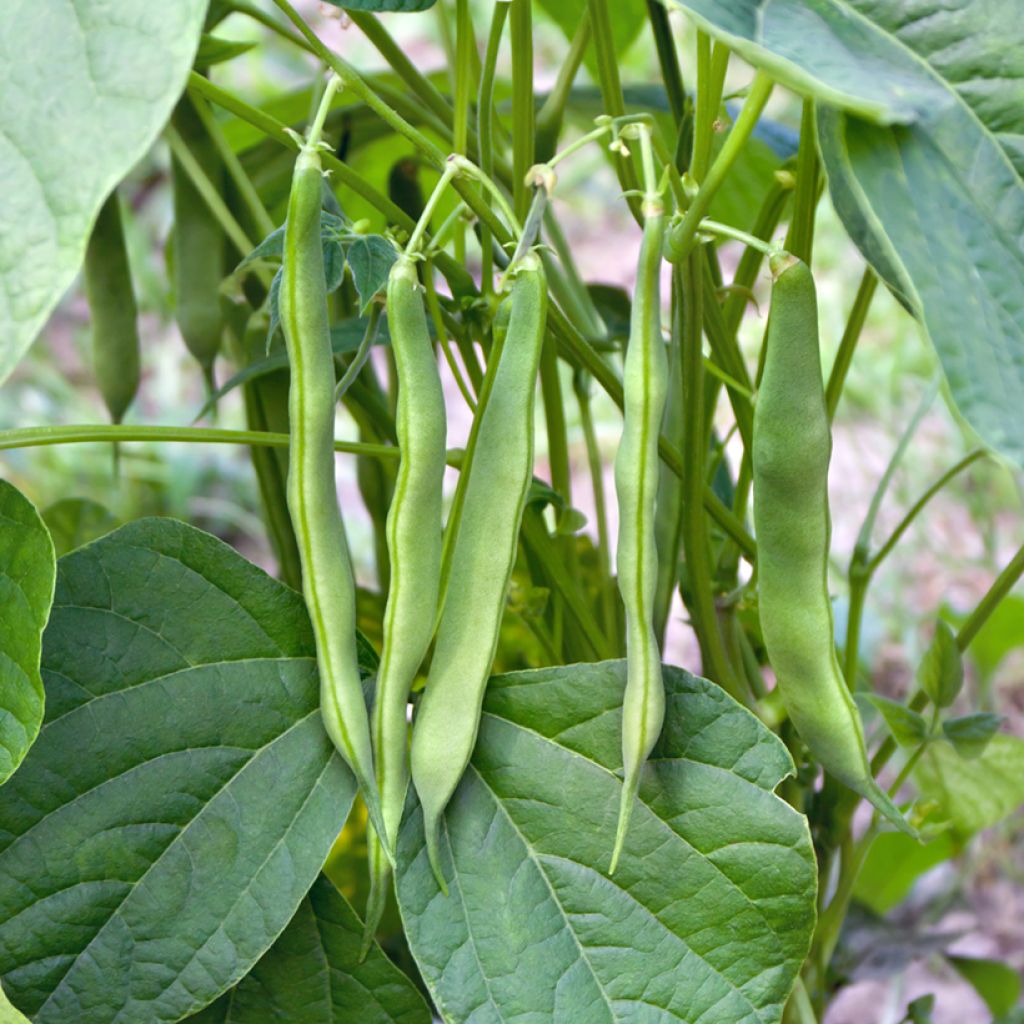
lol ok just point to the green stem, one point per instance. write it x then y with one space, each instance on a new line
683 234
611 90
434 309
552 112
423 224
750 262
399 62
574 296
361 355
465 47
921 502
713 227
668 59
254 12
523 110
696 542
40 437
246 189
1002 586
851 335
485 132
800 237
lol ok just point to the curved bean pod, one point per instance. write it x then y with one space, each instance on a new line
792 446
327 581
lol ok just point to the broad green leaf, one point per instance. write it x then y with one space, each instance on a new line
370 258
27 569
182 795
934 200
908 728
828 50
974 794
941 672
87 88
997 983
313 975
710 913
893 864
73 522
972 734
944 207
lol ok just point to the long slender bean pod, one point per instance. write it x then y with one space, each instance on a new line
327 581
645 389
198 246
414 541
484 552
791 451
115 330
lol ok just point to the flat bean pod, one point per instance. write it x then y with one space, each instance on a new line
484 552
327 581
645 386
792 446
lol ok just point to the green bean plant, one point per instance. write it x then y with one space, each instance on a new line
430 759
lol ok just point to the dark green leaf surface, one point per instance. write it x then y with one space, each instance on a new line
86 89
27 568
908 728
972 734
182 795
941 672
313 975
710 912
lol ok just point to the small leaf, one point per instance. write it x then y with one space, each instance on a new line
272 247
919 1011
274 304
27 570
941 672
370 258
214 50
998 984
334 265
972 733
908 728
973 795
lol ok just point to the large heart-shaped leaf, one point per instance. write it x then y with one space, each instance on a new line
182 795
932 192
710 913
313 975
27 569
87 87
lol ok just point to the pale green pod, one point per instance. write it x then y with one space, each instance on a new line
792 447
645 386
414 543
327 581
448 719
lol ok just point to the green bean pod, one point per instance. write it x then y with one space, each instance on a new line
115 329
645 387
792 446
327 581
414 543
198 246
484 553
